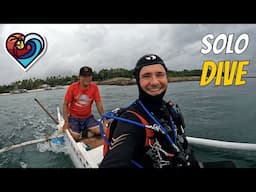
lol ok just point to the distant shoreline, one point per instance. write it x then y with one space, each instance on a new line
37 90
121 81
128 81
184 78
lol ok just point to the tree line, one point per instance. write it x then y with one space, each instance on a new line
104 74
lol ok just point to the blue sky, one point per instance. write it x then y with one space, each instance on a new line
104 46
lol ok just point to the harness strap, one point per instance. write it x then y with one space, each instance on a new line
149 132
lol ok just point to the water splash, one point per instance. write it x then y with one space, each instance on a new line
56 145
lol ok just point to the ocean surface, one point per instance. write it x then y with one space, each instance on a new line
222 113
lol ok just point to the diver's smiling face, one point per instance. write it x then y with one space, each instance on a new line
153 79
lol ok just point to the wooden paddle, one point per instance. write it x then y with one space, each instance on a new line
55 121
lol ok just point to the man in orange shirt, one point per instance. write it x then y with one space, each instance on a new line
77 106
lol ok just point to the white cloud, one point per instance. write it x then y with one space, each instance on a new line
117 45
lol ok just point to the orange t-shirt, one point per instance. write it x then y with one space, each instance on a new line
80 100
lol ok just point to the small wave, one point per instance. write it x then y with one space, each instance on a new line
4 161
23 164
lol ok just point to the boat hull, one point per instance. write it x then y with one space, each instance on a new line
80 153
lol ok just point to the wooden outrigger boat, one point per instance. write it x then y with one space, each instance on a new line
87 153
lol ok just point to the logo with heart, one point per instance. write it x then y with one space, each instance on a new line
25 49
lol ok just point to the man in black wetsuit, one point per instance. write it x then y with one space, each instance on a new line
164 145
